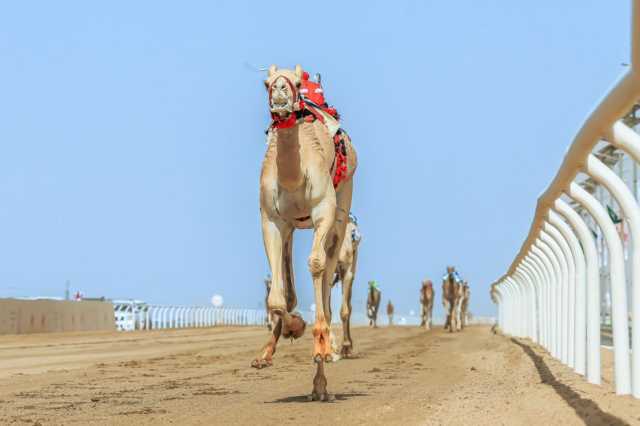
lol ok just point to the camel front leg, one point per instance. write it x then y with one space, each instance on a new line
456 316
274 233
424 319
323 217
447 311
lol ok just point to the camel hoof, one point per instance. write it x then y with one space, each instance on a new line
261 363
317 358
326 397
328 358
346 351
295 328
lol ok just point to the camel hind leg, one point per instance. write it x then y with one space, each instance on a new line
345 310
294 328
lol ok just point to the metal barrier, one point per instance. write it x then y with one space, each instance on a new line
132 316
551 291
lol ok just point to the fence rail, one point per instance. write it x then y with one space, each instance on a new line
131 316
139 316
551 291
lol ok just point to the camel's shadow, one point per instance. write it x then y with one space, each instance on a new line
305 398
351 357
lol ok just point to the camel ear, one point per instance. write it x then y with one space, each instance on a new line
272 70
266 84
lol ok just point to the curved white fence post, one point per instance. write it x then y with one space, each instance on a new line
556 253
173 317
555 299
587 328
513 318
543 298
537 304
179 317
529 300
545 271
521 312
163 317
509 323
577 259
622 367
567 337
499 304
146 318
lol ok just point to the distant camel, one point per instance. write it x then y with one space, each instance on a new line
451 297
373 303
426 300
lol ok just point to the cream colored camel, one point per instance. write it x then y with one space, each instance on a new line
464 305
297 192
426 300
451 297
345 273
373 304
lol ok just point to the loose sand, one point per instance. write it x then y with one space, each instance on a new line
401 376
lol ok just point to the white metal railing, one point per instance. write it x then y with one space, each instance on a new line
551 291
130 316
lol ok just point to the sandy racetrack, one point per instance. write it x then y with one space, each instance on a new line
202 376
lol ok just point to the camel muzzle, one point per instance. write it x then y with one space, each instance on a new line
281 107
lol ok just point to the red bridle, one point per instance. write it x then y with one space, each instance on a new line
290 121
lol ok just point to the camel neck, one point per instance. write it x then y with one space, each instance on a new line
288 159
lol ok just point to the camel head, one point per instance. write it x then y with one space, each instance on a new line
283 87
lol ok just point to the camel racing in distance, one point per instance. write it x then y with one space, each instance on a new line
210 217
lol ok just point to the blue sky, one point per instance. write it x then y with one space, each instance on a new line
132 133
